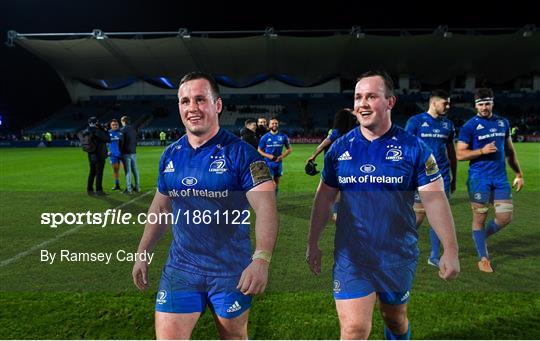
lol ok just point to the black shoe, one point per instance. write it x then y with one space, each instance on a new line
100 193
116 188
127 192
90 193
137 190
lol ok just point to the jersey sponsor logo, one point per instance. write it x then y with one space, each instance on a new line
191 192
479 126
169 168
394 153
189 181
345 156
492 130
371 179
218 166
436 131
161 295
431 166
425 124
486 136
367 168
234 307
259 172
337 286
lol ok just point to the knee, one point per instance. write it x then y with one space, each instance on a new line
355 330
395 322
502 221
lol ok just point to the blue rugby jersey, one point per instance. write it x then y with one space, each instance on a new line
213 178
333 135
377 179
114 145
274 143
436 133
479 131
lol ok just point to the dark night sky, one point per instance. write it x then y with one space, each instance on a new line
30 88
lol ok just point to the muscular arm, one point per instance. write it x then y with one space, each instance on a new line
451 151
288 150
325 143
320 213
152 234
262 199
511 158
440 216
463 152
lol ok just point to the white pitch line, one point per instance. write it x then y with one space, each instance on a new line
61 235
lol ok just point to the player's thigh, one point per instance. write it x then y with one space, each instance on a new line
355 315
233 328
175 326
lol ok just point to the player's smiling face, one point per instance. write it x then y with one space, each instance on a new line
484 109
274 125
199 110
114 125
371 106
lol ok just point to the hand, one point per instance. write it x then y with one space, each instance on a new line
449 265
140 275
311 159
279 158
254 278
489 148
314 258
518 183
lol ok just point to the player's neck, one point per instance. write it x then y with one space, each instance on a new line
374 133
274 132
196 141
433 114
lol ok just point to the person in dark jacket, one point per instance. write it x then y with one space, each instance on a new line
129 150
96 159
248 133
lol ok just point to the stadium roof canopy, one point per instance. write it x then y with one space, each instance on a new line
240 59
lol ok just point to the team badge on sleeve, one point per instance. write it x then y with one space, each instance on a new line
431 166
259 172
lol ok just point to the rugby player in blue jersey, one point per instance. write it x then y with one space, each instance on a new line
376 169
115 154
208 179
271 147
437 132
485 141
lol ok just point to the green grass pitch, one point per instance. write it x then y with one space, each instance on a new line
98 301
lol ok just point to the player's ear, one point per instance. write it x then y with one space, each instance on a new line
219 105
391 102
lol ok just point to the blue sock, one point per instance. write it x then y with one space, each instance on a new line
480 241
434 244
492 228
389 335
335 207
117 182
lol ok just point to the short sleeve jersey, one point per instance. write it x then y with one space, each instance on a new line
273 143
377 179
114 145
479 131
436 133
207 187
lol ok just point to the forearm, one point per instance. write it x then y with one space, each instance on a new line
468 154
263 202
320 148
266 155
153 232
514 164
319 216
286 153
440 217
